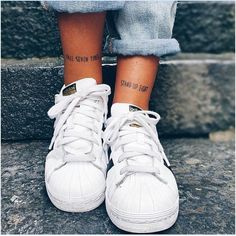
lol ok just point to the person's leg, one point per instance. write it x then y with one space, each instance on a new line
144 34
81 38
135 79
141 189
76 165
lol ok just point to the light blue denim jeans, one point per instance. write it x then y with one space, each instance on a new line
135 27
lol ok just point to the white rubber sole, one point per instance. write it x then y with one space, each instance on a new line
142 224
78 206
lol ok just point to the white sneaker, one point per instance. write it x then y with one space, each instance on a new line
75 168
141 194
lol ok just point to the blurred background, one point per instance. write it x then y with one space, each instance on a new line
194 94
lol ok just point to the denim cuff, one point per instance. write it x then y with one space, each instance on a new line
82 6
144 47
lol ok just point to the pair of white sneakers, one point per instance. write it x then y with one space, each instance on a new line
140 189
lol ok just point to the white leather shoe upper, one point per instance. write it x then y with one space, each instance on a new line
75 168
140 181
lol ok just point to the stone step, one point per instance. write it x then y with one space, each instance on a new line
30 31
204 171
194 94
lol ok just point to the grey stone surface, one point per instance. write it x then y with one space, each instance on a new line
204 171
194 94
30 31
206 26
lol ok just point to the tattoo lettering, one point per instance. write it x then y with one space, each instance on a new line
83 59
135 86
69 58
95 57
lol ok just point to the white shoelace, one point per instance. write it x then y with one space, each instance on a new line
119 134
63 110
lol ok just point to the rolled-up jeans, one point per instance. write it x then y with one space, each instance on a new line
134 27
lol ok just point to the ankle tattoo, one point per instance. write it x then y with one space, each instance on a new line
135 86
82 59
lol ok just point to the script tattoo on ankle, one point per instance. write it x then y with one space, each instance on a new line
83 59
135 86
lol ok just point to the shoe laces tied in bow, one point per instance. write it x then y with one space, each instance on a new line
119 134
63 111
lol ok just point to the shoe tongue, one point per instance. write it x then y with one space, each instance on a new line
78 85
124 108
121 108
82 84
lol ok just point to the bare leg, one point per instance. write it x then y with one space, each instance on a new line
81 37
135 79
